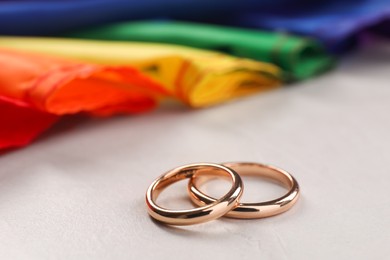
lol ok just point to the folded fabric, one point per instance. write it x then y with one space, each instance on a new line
61 86
20 124
338 24
299 57
198 78
43 17
36 89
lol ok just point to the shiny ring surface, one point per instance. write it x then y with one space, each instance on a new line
204 213
252 210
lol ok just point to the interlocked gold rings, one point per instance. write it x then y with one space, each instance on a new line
210 208
208 212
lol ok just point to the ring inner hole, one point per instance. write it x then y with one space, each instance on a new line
175 196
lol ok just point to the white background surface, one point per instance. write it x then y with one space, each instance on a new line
78 193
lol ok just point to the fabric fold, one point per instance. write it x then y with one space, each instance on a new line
43 79
20 124
44 17
337 24
61 86
198 78
36 90
300 57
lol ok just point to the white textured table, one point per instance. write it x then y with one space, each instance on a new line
79 193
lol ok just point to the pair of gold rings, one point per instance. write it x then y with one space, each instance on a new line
210 208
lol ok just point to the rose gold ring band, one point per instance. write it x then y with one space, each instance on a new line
252 210
204 213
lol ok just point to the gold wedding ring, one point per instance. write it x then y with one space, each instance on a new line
251 210
213 210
